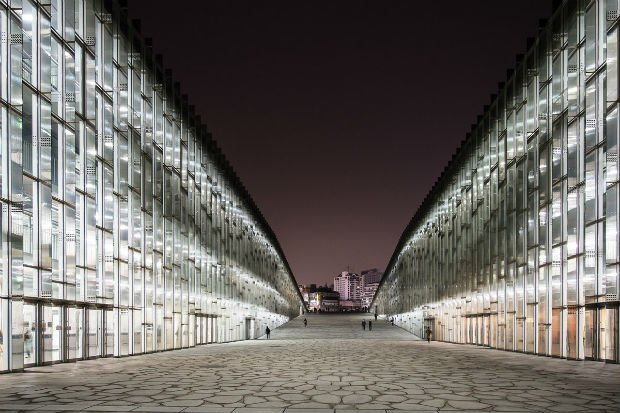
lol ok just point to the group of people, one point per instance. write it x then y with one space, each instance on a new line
369 325
428 332
268 330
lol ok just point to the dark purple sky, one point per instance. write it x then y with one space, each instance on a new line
339 116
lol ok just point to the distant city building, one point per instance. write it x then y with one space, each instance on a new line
304 293
319 298
350 292
370 282
371 276
324 301
349 285
328 300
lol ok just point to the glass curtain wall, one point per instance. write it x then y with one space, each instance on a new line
516 248
123 229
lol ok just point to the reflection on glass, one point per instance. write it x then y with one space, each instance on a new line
112 220
527 213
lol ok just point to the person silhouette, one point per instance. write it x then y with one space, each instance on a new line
363 324
268 331
305 323
369 325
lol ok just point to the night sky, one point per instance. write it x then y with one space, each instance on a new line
339 116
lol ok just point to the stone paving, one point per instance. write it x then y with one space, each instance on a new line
330 366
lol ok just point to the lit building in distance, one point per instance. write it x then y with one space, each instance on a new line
319 298
370 282
349 286
123 229
516 246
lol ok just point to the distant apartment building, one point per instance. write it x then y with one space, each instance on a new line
327 301
349 285
370 282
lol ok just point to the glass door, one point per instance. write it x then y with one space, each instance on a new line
248 329
94 328
52 334
75 333
530 329
608 328
429 323
108 333
556 332
611 344
590 337
30 335
571 333
138 329
493 330
519 335
209 331
204 322
124 328
510 332
193 329
486 330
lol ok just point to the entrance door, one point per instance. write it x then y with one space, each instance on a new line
530 329
193 328
556 332
572 323
94 329
493 330
429 323
31 335
519 332
205 329
248 329
590 337
608 333
483 325
108 333
75 333
52 334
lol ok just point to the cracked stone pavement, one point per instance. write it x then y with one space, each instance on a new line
330 366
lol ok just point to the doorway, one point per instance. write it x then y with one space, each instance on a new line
52 334
429 323
249 329
601 333
30 334
75 333
94 328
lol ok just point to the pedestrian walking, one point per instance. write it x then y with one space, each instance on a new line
305 323
363 324
268 331
369 325
428 334
392 320
27 342
376 316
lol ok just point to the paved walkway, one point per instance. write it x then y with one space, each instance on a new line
332 365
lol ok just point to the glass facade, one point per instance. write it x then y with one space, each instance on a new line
123 229
516 246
